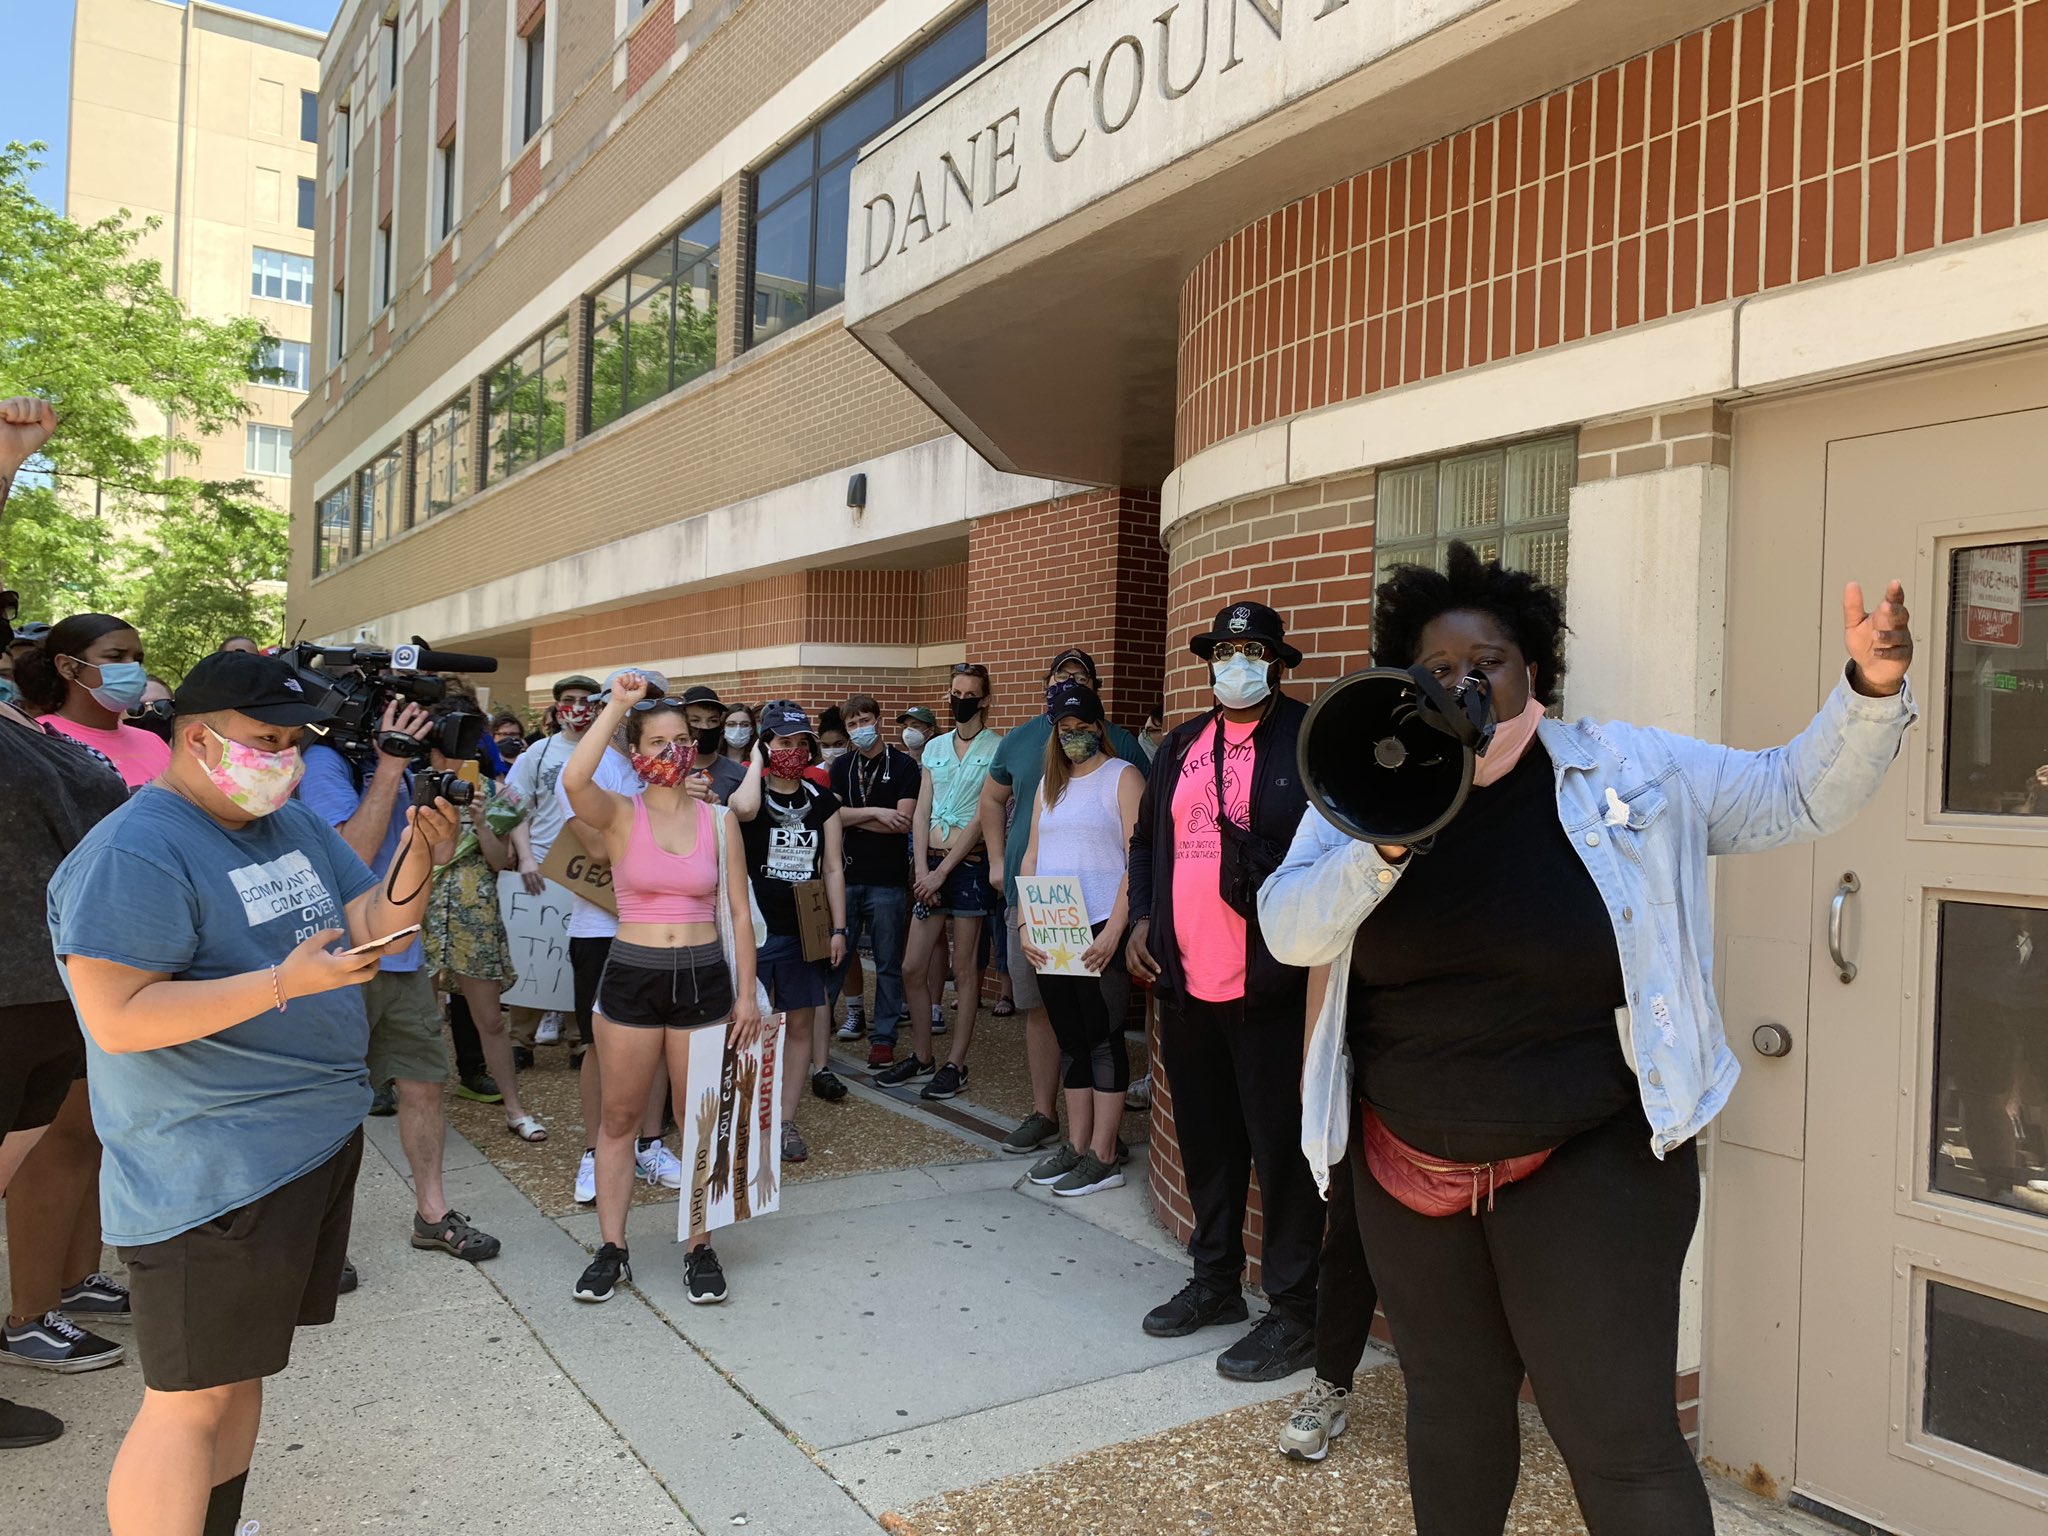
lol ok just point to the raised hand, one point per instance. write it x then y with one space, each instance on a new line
1880 643
630 689
26 423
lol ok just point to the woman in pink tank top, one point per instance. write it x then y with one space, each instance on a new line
669 970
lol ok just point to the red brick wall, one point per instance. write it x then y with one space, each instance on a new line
449 79
1799 138
647 50
1084 570
525 180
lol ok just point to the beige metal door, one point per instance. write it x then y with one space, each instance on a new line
1923 1348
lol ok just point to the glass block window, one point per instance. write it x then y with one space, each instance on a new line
528 404
333 529
654 327
1510 504
441 460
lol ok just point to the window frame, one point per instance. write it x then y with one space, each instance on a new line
287 263
309 117
270 437
323 523
300 380
712 214
382 269
1392 548
387 53
337 323
820 171
447 169
380 519
309 203
501 382
443 439
531 104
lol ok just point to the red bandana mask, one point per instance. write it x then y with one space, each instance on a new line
789 763
668 767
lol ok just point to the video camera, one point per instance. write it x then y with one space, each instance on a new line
356 683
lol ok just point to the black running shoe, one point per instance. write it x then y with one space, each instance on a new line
826 1085
946 1083
605 1274
702 1274
905 1070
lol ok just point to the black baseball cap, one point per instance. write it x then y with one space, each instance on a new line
265 688
1074 699
1072 653
701 693
783 718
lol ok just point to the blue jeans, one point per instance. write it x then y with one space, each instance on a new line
882 912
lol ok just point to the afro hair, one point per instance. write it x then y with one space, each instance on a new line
1531 613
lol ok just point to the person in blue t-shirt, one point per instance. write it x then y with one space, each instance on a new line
225 1040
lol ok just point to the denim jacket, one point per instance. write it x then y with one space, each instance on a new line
1645 809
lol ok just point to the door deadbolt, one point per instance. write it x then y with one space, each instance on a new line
1772 1040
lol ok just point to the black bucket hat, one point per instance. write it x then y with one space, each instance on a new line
1247 621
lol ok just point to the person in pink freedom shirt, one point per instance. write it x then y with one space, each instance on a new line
89 673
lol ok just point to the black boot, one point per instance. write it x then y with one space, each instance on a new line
1279 1346
1195 1307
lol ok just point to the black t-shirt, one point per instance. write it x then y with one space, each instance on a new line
785 846
1483 988
885 780
53 790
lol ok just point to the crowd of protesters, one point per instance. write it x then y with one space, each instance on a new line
255 938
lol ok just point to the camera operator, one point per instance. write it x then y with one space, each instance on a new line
226 1040
366 803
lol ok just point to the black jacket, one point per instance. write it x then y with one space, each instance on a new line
1278 801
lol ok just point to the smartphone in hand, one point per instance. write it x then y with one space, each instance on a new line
404 935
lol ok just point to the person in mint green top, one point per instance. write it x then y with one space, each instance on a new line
947 847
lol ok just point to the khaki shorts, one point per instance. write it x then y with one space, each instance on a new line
405 1029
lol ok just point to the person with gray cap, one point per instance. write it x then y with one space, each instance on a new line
226 1038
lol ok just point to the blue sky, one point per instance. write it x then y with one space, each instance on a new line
33 104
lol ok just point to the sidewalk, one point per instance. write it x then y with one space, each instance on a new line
942 1350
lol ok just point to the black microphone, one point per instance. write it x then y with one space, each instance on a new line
423 658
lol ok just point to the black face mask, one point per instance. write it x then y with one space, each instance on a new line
964 709
711 741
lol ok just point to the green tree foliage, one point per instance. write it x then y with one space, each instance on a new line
91 325
208 567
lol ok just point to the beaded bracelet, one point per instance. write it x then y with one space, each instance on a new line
277 989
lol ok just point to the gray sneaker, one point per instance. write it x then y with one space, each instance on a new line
1037 1132
1317 1419
793 1148
1090 1174
1050 1170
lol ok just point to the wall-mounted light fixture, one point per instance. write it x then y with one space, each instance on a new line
857 493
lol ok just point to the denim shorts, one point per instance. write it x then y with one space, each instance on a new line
791 980
966 893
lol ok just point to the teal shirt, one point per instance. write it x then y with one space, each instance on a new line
957 776
1020 763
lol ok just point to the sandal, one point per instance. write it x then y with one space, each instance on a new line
453 1234
527 1128
1004 1008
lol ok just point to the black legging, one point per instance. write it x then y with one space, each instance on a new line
1574 1277
586 970
1345 1294
1087 1018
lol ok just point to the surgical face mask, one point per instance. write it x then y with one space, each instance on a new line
667 766
1079 745
739 735
865 737
913 739
963 709
1241 682
257 781
122 684
576 717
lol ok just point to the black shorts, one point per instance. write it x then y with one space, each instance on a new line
218 1304
42 1053
665 988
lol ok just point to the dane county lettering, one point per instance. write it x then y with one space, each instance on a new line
1155 67
287 886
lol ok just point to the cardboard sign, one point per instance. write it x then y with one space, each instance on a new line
731 1131
578 871
537 936
813 918
1056 921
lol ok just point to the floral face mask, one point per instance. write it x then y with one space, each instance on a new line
668 767
257 781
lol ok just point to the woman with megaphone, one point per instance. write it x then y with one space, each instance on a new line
1527 1008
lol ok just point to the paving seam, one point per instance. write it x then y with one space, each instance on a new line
533 1213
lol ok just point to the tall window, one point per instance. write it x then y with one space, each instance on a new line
440 459
337 323
309 116
334 529
654 327
268 450
344 149
1510 504
282 276
294 359
387 52
531 108
306 203
380 255
379 516
528 404
444 191
800 197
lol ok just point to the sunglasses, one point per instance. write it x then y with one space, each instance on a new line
1250 650
970 669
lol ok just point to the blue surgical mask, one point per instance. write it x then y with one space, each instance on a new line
9 694
865 737
122 684
1241 682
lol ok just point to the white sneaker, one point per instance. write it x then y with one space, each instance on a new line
586 1179
660 1166
549 1030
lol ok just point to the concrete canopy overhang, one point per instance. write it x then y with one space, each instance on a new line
1016 248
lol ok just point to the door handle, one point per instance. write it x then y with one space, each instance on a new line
1845 968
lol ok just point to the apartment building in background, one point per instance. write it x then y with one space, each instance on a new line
205 118
796 344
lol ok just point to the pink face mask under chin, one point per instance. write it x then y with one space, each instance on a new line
1511 739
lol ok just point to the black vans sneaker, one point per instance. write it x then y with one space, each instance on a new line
704 1277
606 1273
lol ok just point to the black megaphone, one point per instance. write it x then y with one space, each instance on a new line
1388 754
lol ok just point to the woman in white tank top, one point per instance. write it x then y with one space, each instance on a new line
1081 824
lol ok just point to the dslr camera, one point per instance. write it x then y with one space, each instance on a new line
356 683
